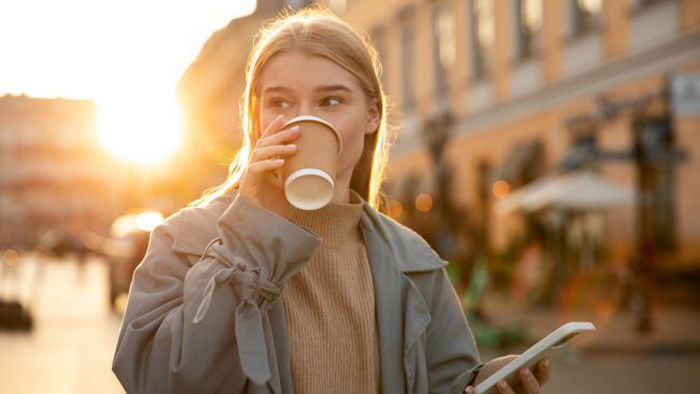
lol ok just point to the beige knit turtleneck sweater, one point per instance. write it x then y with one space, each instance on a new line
329 307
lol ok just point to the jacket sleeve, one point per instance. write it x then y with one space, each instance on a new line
452 356
187 327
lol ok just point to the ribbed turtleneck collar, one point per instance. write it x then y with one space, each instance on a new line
336 223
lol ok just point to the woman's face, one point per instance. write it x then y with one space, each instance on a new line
295 83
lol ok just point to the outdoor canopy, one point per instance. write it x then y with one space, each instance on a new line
578 190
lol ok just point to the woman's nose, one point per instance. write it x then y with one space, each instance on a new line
306 108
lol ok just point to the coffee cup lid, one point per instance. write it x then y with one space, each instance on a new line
312 118
317 201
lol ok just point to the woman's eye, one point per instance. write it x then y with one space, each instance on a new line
332 101
279 103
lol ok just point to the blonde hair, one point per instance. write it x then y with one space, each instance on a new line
315 31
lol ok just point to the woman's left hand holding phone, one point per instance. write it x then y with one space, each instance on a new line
530 381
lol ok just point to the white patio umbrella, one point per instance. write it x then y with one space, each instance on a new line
580 190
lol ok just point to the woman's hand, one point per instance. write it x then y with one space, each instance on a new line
530 381
258 179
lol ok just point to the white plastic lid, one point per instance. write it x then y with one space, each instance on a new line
302 195
319 120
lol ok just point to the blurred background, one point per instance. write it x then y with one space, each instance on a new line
548 149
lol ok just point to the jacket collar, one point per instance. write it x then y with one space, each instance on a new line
195 227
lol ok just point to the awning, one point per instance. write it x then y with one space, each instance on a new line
580 190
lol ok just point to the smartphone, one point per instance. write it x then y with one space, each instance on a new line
556 339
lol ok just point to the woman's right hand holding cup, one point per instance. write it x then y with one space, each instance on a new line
268 156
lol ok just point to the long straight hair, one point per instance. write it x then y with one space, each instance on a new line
315 31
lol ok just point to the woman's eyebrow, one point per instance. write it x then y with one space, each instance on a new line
331 88
323 88
280 89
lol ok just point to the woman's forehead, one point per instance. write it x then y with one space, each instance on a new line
297 71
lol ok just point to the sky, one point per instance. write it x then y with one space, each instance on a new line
126 55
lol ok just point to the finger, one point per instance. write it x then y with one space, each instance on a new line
279 138
543 371
265 165
469 390
504 388
272 151
274 126
528 381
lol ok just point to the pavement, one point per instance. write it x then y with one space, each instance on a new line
71 348
615 358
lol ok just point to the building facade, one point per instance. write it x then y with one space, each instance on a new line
516 90
529 86
52 171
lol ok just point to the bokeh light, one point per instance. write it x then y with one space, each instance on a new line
424 202
500 189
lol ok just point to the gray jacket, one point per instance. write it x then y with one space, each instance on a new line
205 314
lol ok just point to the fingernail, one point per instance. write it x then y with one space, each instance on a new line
502 384
546 363
526 372
292 146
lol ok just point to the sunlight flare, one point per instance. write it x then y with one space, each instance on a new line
140 131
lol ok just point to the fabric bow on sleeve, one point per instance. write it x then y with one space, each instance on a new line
254 292
258 250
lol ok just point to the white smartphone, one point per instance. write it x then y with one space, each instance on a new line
556 339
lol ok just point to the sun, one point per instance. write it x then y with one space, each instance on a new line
143 130
124 55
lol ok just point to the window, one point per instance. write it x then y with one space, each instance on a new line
656 157
29 136
338 6
297 4
583 151
7 138
482 34
585 16
443 38
407 65
639 5
528 15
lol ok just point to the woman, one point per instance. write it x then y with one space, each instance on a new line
245 293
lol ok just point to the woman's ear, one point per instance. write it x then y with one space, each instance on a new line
373 117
